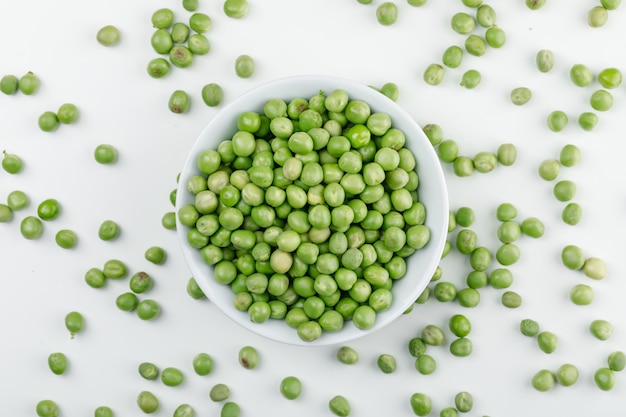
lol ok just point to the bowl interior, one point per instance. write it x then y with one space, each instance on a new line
432 192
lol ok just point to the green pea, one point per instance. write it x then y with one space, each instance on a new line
495 37
181 56
127 301
6 213
610 78
248 357
459 325
433 74
219 392
543 380
155 255
557 120
147 402
594 268
347 355
545 60
549 169
604 379
445 291
535 4
464 401
386 363
148 370
244 66
572 257
610 4
48 121
235 9
421 404
532 227
387 13
581 75
587 120
148 309
114 269
507 154
29 83
108 35
179 102
521 95
433 335
339 405
103 411
501 278
448 412
571 214
601 100
8 84
616 361
566 375
179 32
66 238
198 44
452 56
511 299
105 154
547 341
161 41
290 387
564 190
470 79
601 329
67 113
485 15
47 408
475 45
17 200
462 23
230 409
74 323
57 362
509 231
200 22
448 150
434 133
529 327
597 16
184 410
390 90
212 94
477 279
468 297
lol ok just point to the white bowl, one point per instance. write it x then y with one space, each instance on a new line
432 192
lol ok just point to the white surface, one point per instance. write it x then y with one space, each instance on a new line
121 105
432 191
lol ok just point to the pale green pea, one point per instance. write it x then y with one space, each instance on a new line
544 60
433 74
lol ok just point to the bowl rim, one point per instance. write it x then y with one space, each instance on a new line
313 83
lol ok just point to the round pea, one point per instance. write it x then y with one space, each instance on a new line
587 120
219 392
235 9
581 294
48 121
594 268
148 370
290 387
47 408
547 341
604 379
545 60
464 401
148 309
244 66
66 238
147 402
212 94
29 83
610 78
57 362
543 380
421 404
179 102
452 56
601 100
248 357
521 95
597 16
105 154
616 361
387 13
433 74
601 329
529 327
557 120
566 375
572 257
339 405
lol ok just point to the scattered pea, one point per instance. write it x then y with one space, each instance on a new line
47 408
248 357
581 294
148 309
594 268
57 362
587 120
11 163
566 375
66 238
470 79
386 363
147 402
179 102
212 94
601 100
464 401
235 9
433 74
148 371
244 66
387 13
452 56
543 380
127 301
604 379
610 78
339 405
547 341
597 16
29 83
616 361
507 154
549 169
601 329
572 257
557 120
421 404
105 154
521 95
529 327
219 392
48 121
74 323
545 60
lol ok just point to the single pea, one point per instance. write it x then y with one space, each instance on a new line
202 364
610 4
421 404
147 402
244 66
604 379
433 335
386 363
544 60
462 23
464 401
425 364
248 357
212 94
158 67
12 163
529 327
57 362
509 231
581 75
434 132
74 323
601 100
47 408
347 355
108 230
570 155
190 5
543 380
127 301
156 255
459 325
477 279
581 294
219 392
470 79
452 56
511 299
610 78
557 120
114 269
464 216
566 375
48 121
161 41
67 113
49 209
148 309
594 268
601 329
6 213
445 291
535 4
172 376
587 120
168 220
184 410
616 361
571 214
194 290
501 278
162 18
549 169
230 409
495 37
148 370
181 56
290 387
597 16
507 254
95 278
485 15
433 74
179 102
564 190
475 45
416 347
521 95
572 257
339 405
416 3
200 22
108 35
103 411
448 150
387 13
547 341
29 83
449 412
105 154
468 297
532 227
66 238
507 154
235 9
8 84
141 282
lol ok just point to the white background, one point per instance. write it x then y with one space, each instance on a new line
120 104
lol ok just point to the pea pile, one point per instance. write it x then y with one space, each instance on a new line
490 278
308 212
